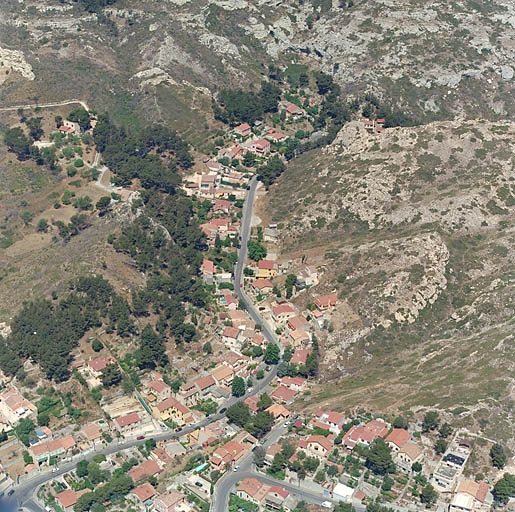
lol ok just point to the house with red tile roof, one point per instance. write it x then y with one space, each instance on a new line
68 498
161 456
283 312
223 375
251 402
14 407
229 301
144 470
229 453
128 422
407 456
92 432
278 498
293 383
243 130
231 336
299 337
237 317
143 492
292 110
170 502
298 322
319 446
266 269
222 205
300 356
99 363
262 286
172 409
158 389
251 489
208 271
205 384
278 411
471 496
365 434
328 301
283 394
189 394
260 147
397 438
55 447
275 136
258 339
333 420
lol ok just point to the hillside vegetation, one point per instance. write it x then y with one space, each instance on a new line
415 228
166 58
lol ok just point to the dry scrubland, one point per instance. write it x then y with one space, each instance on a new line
415 227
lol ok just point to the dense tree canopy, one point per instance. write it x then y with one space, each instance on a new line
504 489
132 156
498 456
95 5
270 171
151 352
238 413
80 116
18 143
239 106
47 332
379 458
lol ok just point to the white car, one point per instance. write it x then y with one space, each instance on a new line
327 504
236 468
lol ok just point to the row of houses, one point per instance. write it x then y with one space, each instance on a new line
144 495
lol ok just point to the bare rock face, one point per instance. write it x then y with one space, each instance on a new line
376 46
14 60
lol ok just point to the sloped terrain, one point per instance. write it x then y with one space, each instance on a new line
431 60
416 230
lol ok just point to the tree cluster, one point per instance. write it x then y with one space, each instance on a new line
379 458
172 264
116 488
257 425
235 106
151 155
504 489
94 5
270 171
47 332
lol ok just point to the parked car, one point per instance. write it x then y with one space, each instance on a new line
223 410
236 468
327 504
198 484
11 492
139 438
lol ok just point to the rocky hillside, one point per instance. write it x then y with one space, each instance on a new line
415 229
165 57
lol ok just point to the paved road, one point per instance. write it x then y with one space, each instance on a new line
246 220
227 482
24 491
